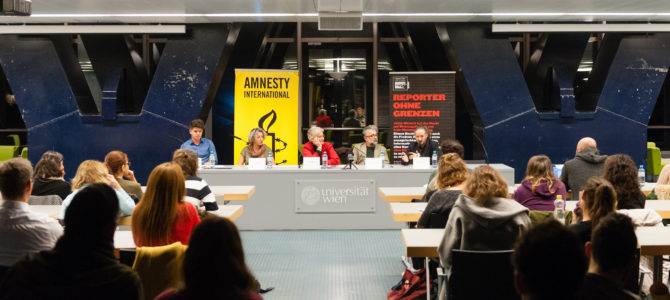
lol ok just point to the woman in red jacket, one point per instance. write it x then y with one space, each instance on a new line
317 146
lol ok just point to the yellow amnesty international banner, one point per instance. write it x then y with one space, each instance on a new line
268 99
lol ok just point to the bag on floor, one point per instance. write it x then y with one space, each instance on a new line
411 286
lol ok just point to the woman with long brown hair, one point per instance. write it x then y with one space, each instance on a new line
163 217
621 172
540 187
214 265
48 177
598 201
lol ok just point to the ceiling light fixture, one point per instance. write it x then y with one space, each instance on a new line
521 28
101 29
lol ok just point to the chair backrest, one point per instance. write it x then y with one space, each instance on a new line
437 220
15 139
481 275
7 152
24 152
45 200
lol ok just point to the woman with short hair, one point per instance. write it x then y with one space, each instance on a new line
540 188
163 217
317 146
93 171
48 177
118 165
255 147
451 177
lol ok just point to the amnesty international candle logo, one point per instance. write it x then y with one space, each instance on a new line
268 99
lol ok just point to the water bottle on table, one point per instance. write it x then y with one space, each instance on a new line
433 160
641 174
559 209
212 158
381 155
324 161
269 161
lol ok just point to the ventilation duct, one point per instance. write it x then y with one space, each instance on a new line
16 7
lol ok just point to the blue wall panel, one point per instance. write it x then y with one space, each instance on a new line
53 121
514 130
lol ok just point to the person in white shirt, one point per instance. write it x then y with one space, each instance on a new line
21 230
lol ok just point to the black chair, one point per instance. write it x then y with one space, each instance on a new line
127 257
481 275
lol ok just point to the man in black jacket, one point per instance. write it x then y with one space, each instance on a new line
587 163
423 146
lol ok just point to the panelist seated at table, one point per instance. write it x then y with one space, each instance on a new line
317 146
255 147
423 146
370 148
204 147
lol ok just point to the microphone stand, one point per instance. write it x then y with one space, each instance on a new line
350 162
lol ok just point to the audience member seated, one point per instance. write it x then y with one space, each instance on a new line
82 264
21 230
423 146
214 265
549 263
370 148
540 187
482 217
350 121
587 163
446 146
450 182
317 146
48 178
360 116
118 165
323 120
598 201
611 253
197 189
93 171
621 172
163 217
255 147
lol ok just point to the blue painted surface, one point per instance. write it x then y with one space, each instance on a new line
53 121
514 131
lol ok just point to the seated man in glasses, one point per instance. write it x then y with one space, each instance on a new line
370 148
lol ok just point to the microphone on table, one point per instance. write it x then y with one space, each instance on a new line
350 161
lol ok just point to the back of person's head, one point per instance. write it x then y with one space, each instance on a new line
92 215
115 160
621 172
452 146
49 165
586 142
549 262
89 171
15 176
158 208
599 199
322 112
197 123
351 113
214 262
187 160
540 168
451 171
485 183
614 243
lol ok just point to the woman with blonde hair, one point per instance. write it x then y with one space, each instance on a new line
255 147
163 217
540 187
482 217
93 171
450 179
598 200
118 165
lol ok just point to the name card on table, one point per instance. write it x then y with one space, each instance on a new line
256 163
373 163
311 163
421 163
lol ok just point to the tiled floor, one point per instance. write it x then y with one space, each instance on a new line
324 264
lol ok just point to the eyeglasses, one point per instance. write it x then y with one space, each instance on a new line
372 135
